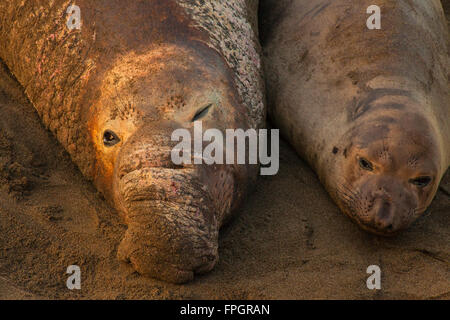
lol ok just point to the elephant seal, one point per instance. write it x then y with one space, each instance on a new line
114 87
367 108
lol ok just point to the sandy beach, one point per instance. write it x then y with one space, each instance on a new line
289 240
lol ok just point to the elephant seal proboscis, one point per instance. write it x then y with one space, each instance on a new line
113 88
368 108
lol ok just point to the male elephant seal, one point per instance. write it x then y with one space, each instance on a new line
114 90
368 109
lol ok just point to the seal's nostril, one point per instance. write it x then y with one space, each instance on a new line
383 215
385 212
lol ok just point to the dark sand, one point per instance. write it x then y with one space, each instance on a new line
289 241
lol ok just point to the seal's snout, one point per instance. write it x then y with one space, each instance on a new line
384 215
386 206
172 229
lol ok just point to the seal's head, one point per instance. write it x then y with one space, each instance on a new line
173 211
387 169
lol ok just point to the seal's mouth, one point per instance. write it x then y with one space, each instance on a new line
379 215
412 215
173 216
371 228
369 222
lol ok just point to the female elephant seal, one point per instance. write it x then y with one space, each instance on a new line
369 109
114 90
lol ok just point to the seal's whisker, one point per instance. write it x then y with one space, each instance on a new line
347 190
356 192
342 190
349 200
349 197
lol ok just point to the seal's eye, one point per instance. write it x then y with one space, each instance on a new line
201 113
110 138
365 164
421 181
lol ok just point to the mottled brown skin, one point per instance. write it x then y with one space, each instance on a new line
368 109
140 70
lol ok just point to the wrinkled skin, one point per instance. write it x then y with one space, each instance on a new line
173 212
368 109
113 92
